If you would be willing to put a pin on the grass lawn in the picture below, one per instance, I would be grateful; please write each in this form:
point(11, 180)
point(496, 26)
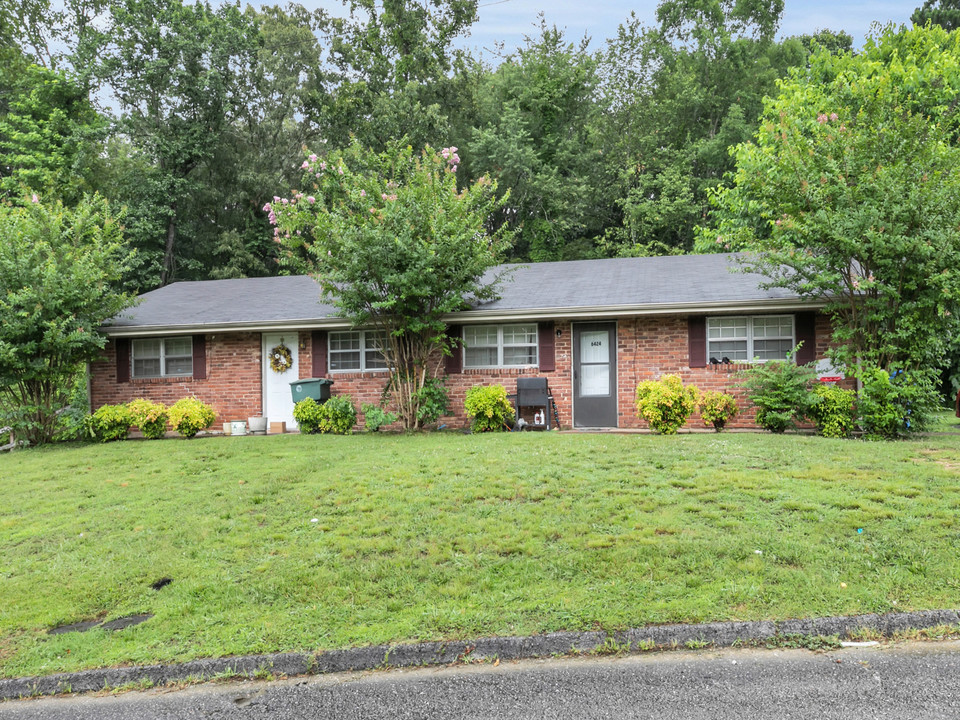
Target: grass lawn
point(453, 536)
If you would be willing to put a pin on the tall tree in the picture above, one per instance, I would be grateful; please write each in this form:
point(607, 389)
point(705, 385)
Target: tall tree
point(676, 97)
point(50, 135)
point(178, 72)
point(59, 270)
point(535, 133)
point(945, 13)
point(396, 245)
point(394, 60)
point(851, 192)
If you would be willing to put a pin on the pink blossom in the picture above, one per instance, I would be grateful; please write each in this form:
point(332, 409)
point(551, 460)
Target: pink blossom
point(276, 198)
point(870, 277)
point(34, 199)
point(313, 158)
point(821, 118)
point(318, 174)
point(373, 211)
point(856, 284)
point(363, 193)
point(285, 201)
point(323, 166)
point(340, 170)
point(266, 208)
point(305, 165)
point(311, 199)
point(383, 196)
point(454, 168)
point(834, 116)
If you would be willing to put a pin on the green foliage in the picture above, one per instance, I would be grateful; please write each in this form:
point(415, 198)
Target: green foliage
point(308, 416)
point(433, 400)
point(716, 408)
point(188, 416)
point(852, 195)
point(832, 410)
point(489, 407)
point(109, 422)
point(58, 272)
point(336, 416)
point(535, 128)
point(150, 417)
point(895, 407)
point(666, 403)
point(180, 73)
point(375, 417)
point(49, 138)
point(396, 246)
point(780, 390)
point(945, 13)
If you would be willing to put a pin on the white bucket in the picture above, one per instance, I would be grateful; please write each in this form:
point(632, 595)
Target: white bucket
point(238, 427)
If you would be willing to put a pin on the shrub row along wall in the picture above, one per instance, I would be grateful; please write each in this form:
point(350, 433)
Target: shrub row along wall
point(647, 348)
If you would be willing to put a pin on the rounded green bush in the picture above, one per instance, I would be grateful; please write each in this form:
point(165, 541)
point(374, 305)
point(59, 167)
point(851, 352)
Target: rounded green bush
point(832, 410)
point(666, 403)
point(109, 422)
point(716, 408)
point(191, 415)
point(150, 417)
point(336, 416)
point(489, 407)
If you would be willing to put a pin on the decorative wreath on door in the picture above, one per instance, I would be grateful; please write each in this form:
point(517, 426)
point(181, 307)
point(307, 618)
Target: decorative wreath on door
point(281, 359)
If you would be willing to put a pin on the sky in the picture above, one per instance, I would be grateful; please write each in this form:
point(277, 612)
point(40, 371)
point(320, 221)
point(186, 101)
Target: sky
point(508, 21)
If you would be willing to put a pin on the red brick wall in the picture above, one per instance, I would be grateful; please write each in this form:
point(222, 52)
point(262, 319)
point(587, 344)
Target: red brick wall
point(647, 347)
point(232, 386)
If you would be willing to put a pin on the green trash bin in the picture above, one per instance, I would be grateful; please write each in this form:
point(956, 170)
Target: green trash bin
point(316, 388)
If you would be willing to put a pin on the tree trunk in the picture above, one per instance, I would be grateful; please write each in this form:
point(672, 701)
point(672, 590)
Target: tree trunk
point(166, 274)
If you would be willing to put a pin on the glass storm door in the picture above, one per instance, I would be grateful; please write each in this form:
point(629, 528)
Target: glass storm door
point(595, 375)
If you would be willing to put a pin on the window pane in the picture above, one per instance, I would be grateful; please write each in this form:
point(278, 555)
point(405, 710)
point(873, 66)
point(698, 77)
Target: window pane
point(146, 349)
point(777, 326)
point(178, 347)
point(519, 334)
point(146, 368)
point(772, 349)
point(519, 356)
point(732, 350)
point(345, 341)
point(594, 379)
point(595, 346)
point(179, 365)
point(480, 335)
point(735, 327)
point(479, 357)
point(349, 360)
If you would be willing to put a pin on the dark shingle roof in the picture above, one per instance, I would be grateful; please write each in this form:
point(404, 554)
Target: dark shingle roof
point(618, 286)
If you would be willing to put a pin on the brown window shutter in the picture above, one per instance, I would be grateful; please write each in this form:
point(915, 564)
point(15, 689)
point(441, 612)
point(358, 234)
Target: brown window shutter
point(547, 350)
point(453, 363)
point(318, 352)
point(697, 340)
point(199, 357)
point(805, 325)
point(123, 360)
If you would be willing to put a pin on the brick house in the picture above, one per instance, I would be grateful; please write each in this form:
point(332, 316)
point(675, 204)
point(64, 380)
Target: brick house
point(593, 328)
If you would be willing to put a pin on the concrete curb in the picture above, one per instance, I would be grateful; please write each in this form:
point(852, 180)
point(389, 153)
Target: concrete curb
point(719, 634)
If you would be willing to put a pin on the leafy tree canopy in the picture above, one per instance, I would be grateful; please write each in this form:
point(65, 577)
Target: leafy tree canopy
point(945, 13)
point(59, 269)
point(851, 193)
point(396, 246)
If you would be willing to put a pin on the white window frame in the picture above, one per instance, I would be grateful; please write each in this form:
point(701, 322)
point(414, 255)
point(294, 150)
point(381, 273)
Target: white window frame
point(500, 346)
point(751, 355)
point(365, 335)
point(163, 357)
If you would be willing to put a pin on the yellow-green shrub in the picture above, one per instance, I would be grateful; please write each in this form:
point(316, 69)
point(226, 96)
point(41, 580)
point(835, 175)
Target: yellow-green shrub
point(489, 408)
point(666, 403)
point(190, 415)
point(716, 408)
point(150, 417)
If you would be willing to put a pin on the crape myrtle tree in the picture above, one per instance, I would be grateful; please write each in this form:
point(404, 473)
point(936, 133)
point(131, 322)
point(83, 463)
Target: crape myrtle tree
point(59, 270)
point(851, 193)
point(395, 246)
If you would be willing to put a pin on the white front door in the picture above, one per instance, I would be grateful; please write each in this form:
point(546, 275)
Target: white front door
point(277, 399)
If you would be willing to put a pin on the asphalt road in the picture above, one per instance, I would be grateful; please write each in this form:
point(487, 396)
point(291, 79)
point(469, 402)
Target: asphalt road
point(911, 681)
